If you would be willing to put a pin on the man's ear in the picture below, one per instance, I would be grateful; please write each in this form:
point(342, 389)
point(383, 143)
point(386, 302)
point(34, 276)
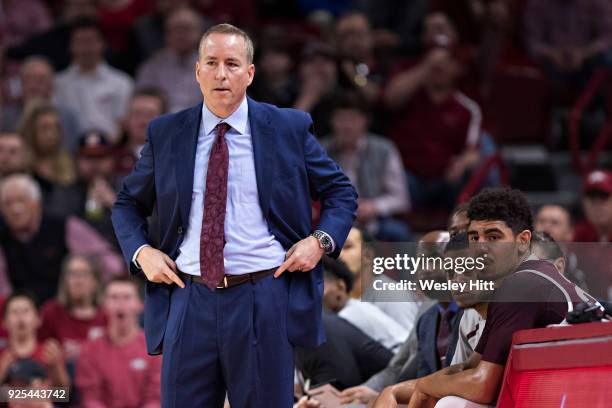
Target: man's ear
point(341, 285)
point(560, 265)
point(523, 240)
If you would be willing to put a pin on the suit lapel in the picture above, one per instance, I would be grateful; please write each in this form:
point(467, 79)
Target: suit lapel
point(184, 144)
point(264, 148)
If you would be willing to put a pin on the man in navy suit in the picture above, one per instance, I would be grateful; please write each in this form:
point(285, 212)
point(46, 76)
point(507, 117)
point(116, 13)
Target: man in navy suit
point(231, 182)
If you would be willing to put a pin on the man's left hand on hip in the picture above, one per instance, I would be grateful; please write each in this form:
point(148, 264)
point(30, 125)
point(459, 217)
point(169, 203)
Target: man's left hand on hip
point(301, 257)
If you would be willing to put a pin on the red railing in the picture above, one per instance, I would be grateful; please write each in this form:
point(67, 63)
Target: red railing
point(478, 178)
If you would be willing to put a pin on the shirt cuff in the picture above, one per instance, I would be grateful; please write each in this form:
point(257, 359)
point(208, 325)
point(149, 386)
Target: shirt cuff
point(333, 243)
point(136, 255)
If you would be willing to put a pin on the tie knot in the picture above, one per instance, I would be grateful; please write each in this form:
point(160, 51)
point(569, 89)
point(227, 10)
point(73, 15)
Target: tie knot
point(222, 128)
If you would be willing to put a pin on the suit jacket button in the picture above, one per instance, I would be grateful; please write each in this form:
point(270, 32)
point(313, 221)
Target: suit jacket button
point(180, 230)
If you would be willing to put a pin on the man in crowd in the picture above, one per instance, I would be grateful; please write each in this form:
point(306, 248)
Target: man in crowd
point(501, 225)
point(94, 90)
point(33, 244)
point(114, 370)
point(597, 205)
point(171, 69)
point(373, 164)
point(436, 127)
point(21, 321)
point(556, 221)
point(36, 76)
point(14, 155)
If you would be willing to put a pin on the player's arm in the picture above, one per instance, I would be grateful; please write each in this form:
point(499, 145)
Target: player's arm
point(479, 384)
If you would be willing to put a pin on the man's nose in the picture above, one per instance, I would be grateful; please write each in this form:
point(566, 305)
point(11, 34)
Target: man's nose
point(220, 74)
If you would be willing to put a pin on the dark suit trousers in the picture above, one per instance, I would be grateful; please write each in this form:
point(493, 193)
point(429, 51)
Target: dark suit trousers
point(232, 340)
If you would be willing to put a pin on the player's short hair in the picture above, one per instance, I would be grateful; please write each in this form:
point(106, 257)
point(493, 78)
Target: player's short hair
point(502, 204)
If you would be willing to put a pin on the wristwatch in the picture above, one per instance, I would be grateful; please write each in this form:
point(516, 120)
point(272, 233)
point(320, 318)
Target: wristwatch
point(325, 241)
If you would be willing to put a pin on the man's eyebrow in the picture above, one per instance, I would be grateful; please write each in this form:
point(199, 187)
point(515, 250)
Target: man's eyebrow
point(491, 230)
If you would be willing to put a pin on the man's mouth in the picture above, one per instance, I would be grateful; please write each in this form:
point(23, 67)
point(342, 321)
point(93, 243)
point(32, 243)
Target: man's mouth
point(220, 89)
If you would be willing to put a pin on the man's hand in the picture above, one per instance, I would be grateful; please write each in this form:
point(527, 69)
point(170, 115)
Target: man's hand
point(52, 352)
point(421, 400)
point(304, 402)
point(158, 267)
point(359, 394)
point(302, 257)
point(386, 399)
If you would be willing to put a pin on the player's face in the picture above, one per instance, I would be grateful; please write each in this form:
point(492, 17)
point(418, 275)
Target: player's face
point(351, 252)
point(501, 248)
point(224, 72)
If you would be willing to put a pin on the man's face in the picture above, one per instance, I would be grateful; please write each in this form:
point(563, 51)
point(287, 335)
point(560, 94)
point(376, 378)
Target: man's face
point(87, 47)
point(37, 81)
point(122, 303)
point(334, 294)
point(349, 127)
point(598, 209)
point(501, 248)
point(432, 271)
point(224, 73)
point(13, 155)
point(183, 32)
point(458, 223)
point(91, 168)
point(142, 110)
point(468, 297)
point(438, 31)
point(80, 281)
point(19, 208)
point(351, 252)
point(354, 36)
point(555, 221)
point(21, 318)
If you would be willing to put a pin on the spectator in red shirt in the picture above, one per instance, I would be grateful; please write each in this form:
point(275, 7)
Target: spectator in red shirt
point(21, 321)
point(74, 316)
point(597, 204)
point(436, 127)
point(114, 370)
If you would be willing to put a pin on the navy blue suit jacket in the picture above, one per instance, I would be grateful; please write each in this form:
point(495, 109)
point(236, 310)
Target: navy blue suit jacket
point(291, 170)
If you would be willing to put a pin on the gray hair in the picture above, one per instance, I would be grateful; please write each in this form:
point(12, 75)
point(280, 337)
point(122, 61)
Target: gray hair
point(229, 29)
point(21, 180)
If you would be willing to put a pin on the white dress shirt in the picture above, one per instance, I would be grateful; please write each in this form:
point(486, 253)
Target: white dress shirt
point(250, 247)
point(99, 99)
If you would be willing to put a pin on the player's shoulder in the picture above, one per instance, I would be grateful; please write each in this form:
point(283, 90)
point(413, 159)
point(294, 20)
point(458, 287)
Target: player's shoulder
point(286, 115)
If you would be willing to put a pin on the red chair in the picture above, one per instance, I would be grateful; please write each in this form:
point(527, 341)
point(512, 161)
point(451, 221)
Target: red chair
point(560, 367)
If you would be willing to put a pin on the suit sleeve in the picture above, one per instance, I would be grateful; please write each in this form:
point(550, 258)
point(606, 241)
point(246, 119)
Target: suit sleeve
point(135, 203)
point(329, 185)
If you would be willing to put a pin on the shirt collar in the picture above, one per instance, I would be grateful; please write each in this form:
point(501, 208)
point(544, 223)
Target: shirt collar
point(237, 120)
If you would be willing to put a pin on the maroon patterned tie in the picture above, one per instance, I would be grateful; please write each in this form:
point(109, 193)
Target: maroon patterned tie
point(212, 237)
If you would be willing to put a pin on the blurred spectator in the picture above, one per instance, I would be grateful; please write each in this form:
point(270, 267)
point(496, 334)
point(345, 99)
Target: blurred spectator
point(318, 77)
point(556, 221)
point(36, 76)
point(346, 359)
point(116, 20)
point(338, 281)
point(145, 105)
point(359, 68)
point(96, 92)
point(40, 126)
point(274, 82)
point(21, 19)
point(241, 13)
point(33, 244)
point(597, 205)
point(458, 220)
point(22, 320)
point(93, 194)
point(14, 155)
point(396, 24)
point(569, 36)
point(54, 44)
point(74, 315)
point(172, 69)
point(358, 254)
point(114, 370)
point(148, 31)
point(436, 127)
point(3, 333)
point(374, 166)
